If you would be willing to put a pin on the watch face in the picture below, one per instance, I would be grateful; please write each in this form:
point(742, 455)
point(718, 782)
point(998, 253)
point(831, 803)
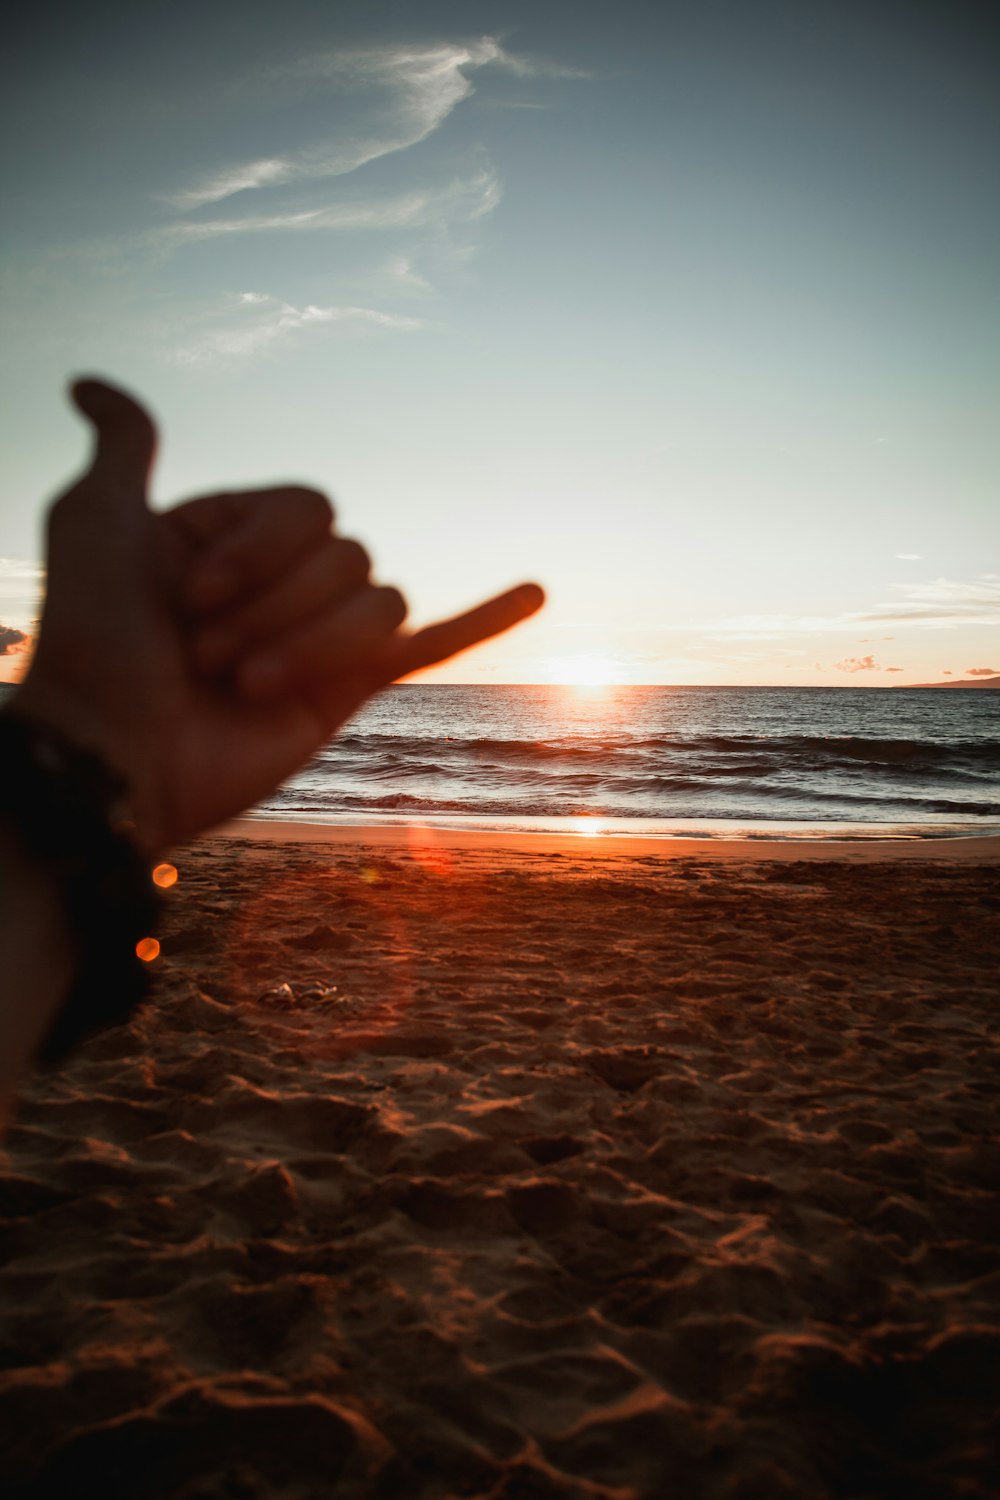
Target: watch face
point(80, 769)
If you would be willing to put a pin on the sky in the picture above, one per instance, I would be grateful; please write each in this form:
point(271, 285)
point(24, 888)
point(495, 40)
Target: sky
point(689, 312)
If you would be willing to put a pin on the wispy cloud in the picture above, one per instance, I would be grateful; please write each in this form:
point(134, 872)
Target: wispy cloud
point(238, 179)
point(20, 569)
point(402, 272)
point(21, 583)
point(770, 627)
point(257, 322)
point(982, 671)
point(399, 95)
point(940, 603)
point(381, 100)
point(908, 556)
point(611, 627)
point(464, 199)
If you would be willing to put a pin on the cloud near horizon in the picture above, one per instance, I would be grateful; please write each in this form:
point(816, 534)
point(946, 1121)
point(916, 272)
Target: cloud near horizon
point(858, 664)
point(982, 671)
point(19, 571)
point(13, 642)
point(941, 602)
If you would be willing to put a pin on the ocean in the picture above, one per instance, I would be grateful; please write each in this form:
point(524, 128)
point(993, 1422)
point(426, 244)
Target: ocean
point(764, 762)
point(761, 762)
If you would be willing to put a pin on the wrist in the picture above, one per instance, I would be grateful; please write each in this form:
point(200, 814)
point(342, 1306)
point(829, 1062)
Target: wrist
point(65, 807)
point(78, 725)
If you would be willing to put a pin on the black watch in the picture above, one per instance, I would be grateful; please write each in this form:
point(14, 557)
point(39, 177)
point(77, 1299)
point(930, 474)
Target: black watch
point(69, 811)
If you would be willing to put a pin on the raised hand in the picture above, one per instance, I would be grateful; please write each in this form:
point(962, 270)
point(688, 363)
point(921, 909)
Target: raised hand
point(209, 651)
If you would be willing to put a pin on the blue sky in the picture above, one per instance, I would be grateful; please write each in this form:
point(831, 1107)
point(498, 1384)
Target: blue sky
point(688, 311)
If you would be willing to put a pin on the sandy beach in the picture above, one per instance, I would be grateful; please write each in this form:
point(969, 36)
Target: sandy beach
point(459, 1167)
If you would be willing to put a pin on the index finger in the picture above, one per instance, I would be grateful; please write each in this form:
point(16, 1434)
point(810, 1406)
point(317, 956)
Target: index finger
point(447, 638)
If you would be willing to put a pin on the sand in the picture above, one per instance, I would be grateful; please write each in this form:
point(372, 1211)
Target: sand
point(441, 1169)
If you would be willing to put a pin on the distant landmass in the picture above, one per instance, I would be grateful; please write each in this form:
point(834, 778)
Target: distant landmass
point(961, 682)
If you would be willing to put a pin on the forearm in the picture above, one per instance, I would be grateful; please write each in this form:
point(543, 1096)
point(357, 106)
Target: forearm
point(37, 959)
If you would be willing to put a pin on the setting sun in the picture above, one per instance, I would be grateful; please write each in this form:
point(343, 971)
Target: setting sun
point(584, 671)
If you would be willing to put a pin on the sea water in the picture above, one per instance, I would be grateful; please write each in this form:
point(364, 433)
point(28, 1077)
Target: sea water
point(768, 762)
point(763, 762)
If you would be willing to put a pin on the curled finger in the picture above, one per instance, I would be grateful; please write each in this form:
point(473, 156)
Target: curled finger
point(309, 588)
point(326, 650)
point(247, 540)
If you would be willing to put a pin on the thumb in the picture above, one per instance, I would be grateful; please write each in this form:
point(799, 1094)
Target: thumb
point(126, 439)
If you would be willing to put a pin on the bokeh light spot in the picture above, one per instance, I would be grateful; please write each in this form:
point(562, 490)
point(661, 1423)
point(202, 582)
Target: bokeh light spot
point(147, 949)
point(165, 875)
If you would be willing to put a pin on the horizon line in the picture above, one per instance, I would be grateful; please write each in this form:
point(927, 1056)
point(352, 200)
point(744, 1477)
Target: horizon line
point(889, 687)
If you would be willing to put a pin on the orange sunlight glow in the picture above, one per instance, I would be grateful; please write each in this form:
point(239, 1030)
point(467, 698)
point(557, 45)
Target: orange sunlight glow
point(588, 826)
point(584, 671)
point(434, 861)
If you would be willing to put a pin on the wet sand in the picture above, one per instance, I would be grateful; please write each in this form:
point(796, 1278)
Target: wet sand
point(443, 1169)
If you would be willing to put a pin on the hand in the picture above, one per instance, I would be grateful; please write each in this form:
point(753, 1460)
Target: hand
point(208, 652)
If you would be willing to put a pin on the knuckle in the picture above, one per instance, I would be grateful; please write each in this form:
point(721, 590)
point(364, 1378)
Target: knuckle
point(351, 559)
point(251, 550)
point(227, 507)
point(239, 568)
point(393, 605)
point(315, 507)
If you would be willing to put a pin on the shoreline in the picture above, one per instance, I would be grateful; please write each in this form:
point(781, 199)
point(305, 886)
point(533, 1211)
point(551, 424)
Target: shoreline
point(971, 849)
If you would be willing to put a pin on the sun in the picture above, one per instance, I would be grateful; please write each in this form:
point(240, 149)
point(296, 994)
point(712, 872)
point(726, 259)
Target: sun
point(584, 671)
